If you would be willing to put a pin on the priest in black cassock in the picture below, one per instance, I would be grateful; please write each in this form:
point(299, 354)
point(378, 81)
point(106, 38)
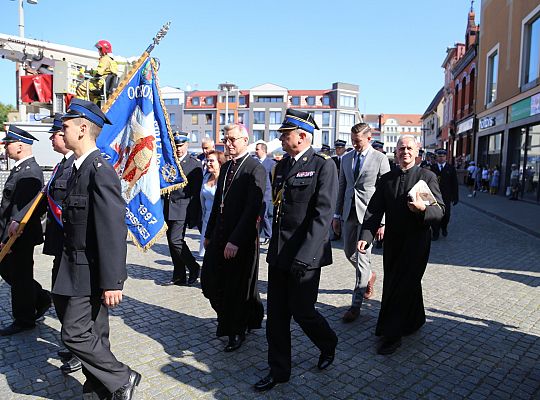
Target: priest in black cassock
point(407, 242)
point(231, 262)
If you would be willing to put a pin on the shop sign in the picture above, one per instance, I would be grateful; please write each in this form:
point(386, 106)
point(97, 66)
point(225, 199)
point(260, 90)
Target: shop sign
point(491, 120)
point(465, 125)
point(525, 108)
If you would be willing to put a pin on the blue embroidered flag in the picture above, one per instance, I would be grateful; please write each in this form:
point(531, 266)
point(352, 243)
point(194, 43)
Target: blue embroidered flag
point(140, 146)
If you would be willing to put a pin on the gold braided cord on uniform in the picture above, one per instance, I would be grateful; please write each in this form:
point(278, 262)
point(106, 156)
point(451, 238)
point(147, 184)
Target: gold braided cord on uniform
point(169, 189)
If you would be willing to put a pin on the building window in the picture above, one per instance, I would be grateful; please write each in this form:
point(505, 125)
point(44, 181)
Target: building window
point(258, 117)
point(275, 117)
point(171, 102)
point(295, 100)
point(208, 118)
point(347, 101)
point(531, 50)
point(209, 101)
point(310, 100)
point(242, 100)
point(492, 72)
point(195, 136)
point(240, 118)
point(269, 99)
point(222, 119)
point(326, 118)
point(325, 139)
point(326, 100)
point(346, 119)
point(195, 101)
point(194, 119)
point(274, 135)
point(258, 135)
point(208, 134)
point(172, 118)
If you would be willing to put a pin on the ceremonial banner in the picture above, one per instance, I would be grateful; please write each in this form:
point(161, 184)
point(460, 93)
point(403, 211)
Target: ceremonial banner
point(140, 146)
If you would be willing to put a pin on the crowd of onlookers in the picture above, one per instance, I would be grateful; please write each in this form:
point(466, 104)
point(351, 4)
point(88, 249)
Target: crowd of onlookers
point(482, 178)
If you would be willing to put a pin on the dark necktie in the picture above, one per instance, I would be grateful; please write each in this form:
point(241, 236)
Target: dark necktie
point(72, 176)
point(357, 165)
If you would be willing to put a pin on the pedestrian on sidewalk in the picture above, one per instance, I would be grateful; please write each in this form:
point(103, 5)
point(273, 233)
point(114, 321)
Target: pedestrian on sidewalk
point(407, 244)
point(485, 179)
point(514, 182)
point(471, 173)
point(494, 182)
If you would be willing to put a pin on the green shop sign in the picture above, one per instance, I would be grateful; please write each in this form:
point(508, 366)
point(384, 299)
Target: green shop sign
point(525, 108)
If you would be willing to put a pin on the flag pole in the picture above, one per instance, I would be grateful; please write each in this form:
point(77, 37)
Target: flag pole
point(127, 77)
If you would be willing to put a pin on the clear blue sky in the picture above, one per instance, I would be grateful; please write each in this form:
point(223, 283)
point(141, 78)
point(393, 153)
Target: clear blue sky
point(392, 49)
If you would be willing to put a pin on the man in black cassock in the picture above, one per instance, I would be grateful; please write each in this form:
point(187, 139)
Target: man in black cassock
point(231, 262)
point(407, 241)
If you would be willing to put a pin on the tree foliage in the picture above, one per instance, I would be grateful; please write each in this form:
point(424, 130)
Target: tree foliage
point(4, 110)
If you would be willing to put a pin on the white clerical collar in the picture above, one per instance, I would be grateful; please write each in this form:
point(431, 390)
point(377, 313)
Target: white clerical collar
point(299, 155)
point(78, 162)
point(22, 160)
point(240, 156)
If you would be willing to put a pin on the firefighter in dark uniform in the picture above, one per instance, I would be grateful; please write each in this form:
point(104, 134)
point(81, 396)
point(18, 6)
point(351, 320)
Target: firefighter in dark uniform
point(29, 301)
point(304, 191)
point(54, 234)
point(182, 210)
point(92, 268)
point(448, 182)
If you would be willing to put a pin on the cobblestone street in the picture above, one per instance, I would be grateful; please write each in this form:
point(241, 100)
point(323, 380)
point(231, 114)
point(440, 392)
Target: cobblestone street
point(481, 341)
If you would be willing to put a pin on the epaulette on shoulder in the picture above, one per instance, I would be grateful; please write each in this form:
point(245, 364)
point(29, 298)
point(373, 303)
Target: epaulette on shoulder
point(322, 155)
point(97, 163)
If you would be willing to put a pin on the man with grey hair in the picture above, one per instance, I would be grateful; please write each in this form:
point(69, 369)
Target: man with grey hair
point(265, 227)
point(207, 145)
point(231, 262)
point(407, 241)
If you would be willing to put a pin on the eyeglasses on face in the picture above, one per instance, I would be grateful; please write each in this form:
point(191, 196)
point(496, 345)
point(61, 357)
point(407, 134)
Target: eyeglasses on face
point(231, 139)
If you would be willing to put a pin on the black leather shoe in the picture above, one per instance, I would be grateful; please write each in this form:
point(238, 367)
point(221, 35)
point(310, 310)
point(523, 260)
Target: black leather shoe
point(42, 309)
point(266, 383)
point(64, 354)
point(389, 345)
point(15, 328)
point(71, 365)
point(126, 392)
point(325, 360)
point(235, 342)
point(444, 232)
point(194, 275)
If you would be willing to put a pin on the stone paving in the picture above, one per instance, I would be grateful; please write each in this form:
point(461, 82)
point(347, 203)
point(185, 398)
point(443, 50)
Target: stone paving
point(481, 341)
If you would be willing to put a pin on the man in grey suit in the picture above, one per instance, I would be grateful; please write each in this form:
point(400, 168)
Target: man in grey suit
point(360, 170)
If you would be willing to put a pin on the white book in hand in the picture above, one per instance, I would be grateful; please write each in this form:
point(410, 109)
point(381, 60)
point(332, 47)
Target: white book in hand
point(425, 192)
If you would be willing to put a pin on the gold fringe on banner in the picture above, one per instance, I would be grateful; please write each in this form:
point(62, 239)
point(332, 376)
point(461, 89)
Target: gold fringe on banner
point(145, 248)
point(169, 189)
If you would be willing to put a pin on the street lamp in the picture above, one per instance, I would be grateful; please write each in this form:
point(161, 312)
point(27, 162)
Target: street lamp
point(20, 69)
point(227, 87)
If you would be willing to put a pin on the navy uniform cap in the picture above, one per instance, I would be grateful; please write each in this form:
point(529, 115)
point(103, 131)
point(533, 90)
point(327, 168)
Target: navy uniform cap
point(15, 134)
point(325, 147)
point(441, 152)
point(57, 123)
point(340, 143)
point(295, 119)
point(377, 144)
point(421, 151)
point(79, 108)
point(181, 137)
